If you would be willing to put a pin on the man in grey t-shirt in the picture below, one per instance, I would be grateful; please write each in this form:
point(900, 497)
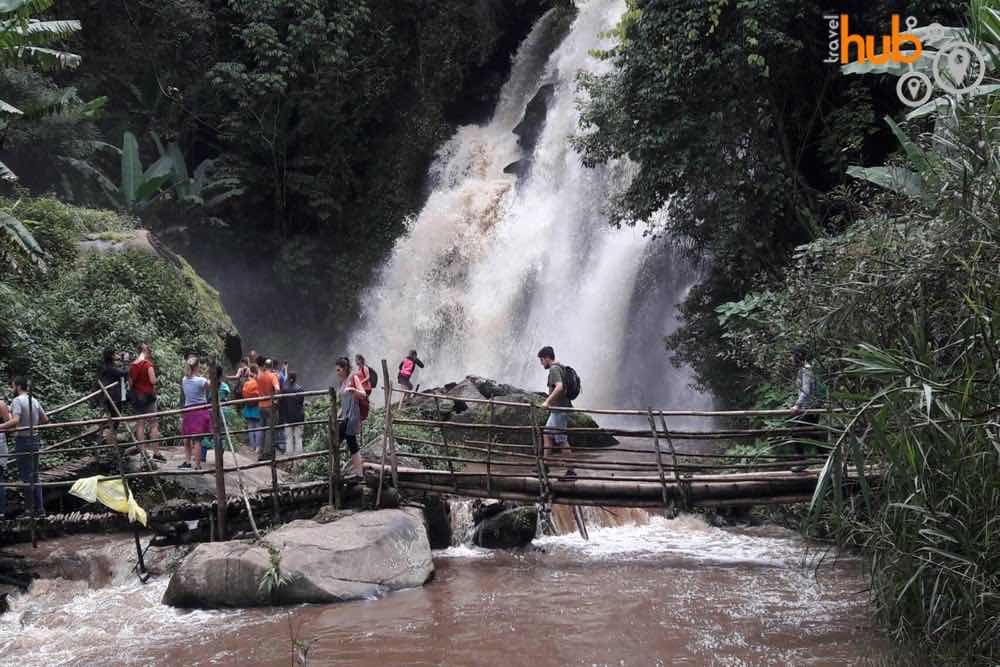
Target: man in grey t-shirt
point(554, 433)
point(26, 412)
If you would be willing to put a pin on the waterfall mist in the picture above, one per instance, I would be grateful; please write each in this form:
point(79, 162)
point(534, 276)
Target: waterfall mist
point(497, 265)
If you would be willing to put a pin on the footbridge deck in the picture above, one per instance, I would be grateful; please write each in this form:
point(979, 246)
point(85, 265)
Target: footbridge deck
point(428, 445)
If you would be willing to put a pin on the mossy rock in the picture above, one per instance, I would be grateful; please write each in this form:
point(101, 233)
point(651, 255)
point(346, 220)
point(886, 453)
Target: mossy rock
point(459, 411)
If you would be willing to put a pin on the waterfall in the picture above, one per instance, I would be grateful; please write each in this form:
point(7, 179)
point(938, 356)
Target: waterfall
point(496, 265)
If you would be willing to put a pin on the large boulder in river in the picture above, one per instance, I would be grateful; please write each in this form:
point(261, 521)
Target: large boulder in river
point(359, 556)
point(459, 410)
point(509, 529)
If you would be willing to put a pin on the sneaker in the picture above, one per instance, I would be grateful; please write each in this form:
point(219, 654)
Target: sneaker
point(184, 465)
point(159, 457)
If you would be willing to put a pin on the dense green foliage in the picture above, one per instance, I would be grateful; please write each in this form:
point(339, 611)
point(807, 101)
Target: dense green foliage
point(742, 133)
point(56, 320)
point(326, 112)
point(893, 289)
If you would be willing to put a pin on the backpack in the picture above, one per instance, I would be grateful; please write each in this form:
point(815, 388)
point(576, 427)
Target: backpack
point(571, 382)
point(372, 377)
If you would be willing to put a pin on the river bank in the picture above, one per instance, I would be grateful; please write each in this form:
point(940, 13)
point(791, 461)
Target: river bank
point(651, 591)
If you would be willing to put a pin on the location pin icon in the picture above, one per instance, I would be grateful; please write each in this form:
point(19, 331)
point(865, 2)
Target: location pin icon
point(958, 65)
point(913, 84)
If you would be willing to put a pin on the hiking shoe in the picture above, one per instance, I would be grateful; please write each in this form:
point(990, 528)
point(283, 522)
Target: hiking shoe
point(184, 465)
point(159, 457)
point(569, 474)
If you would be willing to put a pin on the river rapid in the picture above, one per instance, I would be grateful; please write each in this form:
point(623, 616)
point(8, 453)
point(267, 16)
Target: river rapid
point(647, 592)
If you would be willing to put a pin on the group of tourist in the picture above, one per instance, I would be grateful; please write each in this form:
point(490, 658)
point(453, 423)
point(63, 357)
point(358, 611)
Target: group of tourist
point(274, 422)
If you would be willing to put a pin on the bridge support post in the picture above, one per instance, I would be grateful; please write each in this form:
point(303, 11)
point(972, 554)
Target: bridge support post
point(220, 474)
point(489, 450)
point(444, 441)
point(388, 423)
point(659, 460)
point(544, 490)
point(272, 433)
point(333, 433)
point(682, 490)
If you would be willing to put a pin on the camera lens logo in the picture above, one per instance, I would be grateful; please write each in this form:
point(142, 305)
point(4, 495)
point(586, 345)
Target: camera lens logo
point(959, 68)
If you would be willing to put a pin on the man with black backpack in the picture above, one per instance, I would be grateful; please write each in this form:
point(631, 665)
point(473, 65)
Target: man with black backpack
point(564, 385)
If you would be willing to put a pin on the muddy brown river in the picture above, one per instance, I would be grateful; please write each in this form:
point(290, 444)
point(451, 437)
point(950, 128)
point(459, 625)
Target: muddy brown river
point(650, 592)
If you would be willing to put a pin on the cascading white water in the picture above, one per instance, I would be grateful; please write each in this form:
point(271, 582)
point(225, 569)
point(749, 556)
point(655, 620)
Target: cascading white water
point(496, 266)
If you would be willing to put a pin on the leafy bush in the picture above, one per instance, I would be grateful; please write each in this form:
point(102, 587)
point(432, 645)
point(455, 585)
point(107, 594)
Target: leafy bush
point(55, 323)
point(902, 309)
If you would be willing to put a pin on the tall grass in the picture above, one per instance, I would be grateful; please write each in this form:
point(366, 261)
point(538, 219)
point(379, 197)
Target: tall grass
point(929, 517)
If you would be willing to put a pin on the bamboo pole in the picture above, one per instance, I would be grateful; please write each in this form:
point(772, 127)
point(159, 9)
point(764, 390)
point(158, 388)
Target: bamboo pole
point(239, 476)
point(385, 431)
point(673, 457)
point(544, 491)
point(659, 458)
point(142, 452)
point(112, 438)
point(82, 399)
point(444, 440)
point(389, 421)
point(334, 443)
point(275, 500)
point(220, 475)
point(34, 467)
point(489, 450)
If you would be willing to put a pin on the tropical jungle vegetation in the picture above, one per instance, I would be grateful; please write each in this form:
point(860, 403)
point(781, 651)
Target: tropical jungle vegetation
point(823, 215)
point(828, 217)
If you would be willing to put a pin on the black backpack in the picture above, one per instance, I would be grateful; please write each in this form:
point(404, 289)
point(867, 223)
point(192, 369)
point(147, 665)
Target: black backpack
point(372, 377)
point(571, 382)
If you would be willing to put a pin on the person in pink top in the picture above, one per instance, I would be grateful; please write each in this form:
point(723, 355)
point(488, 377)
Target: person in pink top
point(407, 367)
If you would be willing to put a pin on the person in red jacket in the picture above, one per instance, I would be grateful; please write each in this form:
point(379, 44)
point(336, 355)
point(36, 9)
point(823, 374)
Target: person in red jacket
point(142, 382)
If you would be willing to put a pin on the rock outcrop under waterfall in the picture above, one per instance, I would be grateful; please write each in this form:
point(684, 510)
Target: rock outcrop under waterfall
point(458, 409)
point(359, 556)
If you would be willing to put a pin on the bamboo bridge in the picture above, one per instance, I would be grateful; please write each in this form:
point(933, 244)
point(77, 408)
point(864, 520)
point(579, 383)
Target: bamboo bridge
point(650, 465)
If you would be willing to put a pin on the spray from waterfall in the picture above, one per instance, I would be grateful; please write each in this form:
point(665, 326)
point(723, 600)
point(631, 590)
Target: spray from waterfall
point(499, 263)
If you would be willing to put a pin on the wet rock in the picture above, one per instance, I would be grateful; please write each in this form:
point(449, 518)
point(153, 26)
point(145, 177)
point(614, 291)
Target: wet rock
point(359, 556)
point(329, 514)
point(165, 560)
point(533, 121)
point(437, 515)
point(510, 529)
point(474, 387)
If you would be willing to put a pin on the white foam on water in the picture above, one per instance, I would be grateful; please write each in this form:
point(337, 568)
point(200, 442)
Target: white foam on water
point(59, 622)
point(466, 551)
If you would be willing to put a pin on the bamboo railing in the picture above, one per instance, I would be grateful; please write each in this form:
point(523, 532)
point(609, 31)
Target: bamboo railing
point(514, 461)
